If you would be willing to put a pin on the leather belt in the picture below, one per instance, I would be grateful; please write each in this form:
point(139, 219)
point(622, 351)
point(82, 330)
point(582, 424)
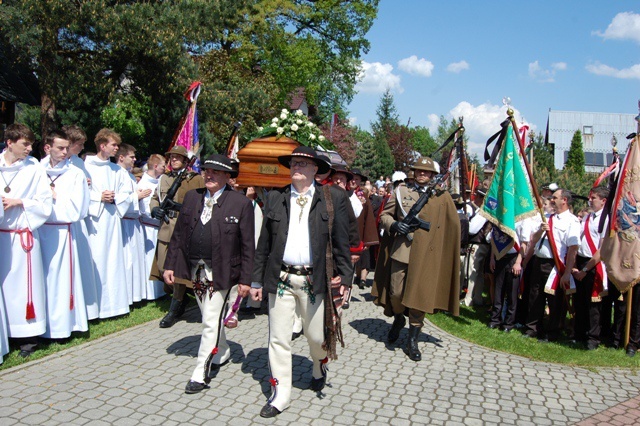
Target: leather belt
point(172, 214)
point(297, 270)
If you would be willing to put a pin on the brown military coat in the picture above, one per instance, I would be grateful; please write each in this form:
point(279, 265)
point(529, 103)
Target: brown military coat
point(433, 257)
point(192, 181)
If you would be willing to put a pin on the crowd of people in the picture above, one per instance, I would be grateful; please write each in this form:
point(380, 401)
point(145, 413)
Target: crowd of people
point(86, 238)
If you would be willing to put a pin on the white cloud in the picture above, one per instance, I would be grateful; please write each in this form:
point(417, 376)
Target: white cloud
point(377, 78)
point(434, 122)
point(482, 121)
point(624, 26)
point(536, 72)
point(415, 66)
point(353, 121)
point(456, 67)
point(606, 70)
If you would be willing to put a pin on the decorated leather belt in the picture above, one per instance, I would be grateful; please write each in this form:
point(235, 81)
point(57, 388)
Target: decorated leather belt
point(297, 270)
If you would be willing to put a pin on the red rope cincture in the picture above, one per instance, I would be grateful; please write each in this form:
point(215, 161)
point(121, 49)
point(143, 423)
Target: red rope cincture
point(26, 241)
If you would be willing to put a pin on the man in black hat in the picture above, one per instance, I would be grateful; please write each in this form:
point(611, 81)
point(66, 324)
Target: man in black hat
point(212, 247)
point(178, 159)
point(300, 222)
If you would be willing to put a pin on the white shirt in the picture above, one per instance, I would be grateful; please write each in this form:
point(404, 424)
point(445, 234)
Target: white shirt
point(297, 250)
point(594, 221)
point(566, 233)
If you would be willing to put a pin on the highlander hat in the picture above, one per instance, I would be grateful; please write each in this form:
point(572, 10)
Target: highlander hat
point(178, 149)
point(358, 172)
point(307, 153)
point(426, 163)
point(340, 168)
point(220, 163)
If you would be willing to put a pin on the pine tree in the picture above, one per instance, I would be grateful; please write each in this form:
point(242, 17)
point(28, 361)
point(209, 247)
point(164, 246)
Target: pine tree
point(366, 155)
point(387, 121)
point(575, 157)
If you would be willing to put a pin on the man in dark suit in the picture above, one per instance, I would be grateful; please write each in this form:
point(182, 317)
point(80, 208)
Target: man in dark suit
point(291, 265)
point(212, 246)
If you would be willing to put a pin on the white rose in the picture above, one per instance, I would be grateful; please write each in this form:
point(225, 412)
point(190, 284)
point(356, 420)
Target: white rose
point(298, 121)
point(310, 124)
point(274, 119)
point(312, 136)
point(274, 125)
point(284, 111)
point(294, 127)
point(299, 113)
point(283, 116)
point(320, 138)
point(260, 129)
point(279, 130)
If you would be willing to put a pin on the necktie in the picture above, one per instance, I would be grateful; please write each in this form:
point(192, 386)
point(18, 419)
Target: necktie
point(206, 212)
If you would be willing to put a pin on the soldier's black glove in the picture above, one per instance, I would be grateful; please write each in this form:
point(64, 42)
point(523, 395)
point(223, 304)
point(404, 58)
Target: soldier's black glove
point(400, 228)
point(158, 213)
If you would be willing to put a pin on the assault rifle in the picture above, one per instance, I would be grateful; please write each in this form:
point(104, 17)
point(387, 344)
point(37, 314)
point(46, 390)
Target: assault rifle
point(412, 219)
point(168, 203)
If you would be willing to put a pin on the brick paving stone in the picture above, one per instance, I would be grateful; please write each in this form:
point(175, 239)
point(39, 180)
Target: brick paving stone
point(139, 375)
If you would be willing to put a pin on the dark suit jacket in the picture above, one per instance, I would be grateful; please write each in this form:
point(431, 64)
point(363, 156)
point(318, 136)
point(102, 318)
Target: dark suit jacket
point(233, 242)
point(275, 229)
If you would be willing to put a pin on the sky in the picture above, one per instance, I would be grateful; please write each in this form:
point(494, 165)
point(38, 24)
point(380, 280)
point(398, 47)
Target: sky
point(461, 58)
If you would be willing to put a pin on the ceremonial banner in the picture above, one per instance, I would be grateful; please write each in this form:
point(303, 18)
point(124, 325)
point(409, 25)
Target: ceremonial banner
point(510, 196)
point(187, 133)
point(621, 246)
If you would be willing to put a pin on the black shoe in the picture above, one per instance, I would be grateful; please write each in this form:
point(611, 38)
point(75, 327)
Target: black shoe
point(269, 411)
point(182, 307)
point(194, 387)
point(507, 329)
point(413, 351)
point(318, 384)
point(172, 316)
point(295, 335)
point(24, 354)
point(345, 305)
point(493, 325)
point(592, 346)
point(631, 352)
point(398, 324)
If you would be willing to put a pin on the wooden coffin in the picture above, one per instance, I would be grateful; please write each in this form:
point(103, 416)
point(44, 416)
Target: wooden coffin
point(259, 164)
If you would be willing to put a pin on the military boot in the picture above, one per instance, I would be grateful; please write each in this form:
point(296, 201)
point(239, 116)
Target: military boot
point(412, 343)
point(172, 315)
point(396, 327)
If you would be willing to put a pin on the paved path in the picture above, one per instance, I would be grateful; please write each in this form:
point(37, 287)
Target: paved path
point(138, 377)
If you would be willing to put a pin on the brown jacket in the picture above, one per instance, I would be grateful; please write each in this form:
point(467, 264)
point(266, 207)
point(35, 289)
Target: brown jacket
point(433, 257)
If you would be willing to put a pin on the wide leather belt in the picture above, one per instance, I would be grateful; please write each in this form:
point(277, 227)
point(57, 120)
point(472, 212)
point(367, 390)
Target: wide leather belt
point(297, 270)
point(172, 214)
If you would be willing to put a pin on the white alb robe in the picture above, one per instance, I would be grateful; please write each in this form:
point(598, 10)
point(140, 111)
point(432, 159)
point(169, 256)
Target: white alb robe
point(155, 288)
point(133, 243)
point(105, 235)
point(20, 271)
point(66, 309)
point(4, 336)
point(87, 266)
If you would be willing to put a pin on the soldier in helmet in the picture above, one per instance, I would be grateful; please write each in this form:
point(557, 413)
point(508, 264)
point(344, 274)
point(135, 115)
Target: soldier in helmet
point(418, 271)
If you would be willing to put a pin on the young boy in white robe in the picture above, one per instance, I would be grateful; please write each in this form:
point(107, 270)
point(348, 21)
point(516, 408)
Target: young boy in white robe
point(110, 199)
point(66, 309)
point(4, 336)
point(26, 200)
point(132, 233)
point(156, 166)
point(77, 137)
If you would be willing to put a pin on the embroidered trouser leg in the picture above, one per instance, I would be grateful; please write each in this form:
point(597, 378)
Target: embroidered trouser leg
point(212, 308)
point(294, 292)
point(476, 274)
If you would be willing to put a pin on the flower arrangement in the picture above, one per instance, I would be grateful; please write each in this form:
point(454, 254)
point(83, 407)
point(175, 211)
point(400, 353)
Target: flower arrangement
point(295, 126)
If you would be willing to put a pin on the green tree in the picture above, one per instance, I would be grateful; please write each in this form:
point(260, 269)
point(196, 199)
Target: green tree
point(575, 157)
point(423, 142)
point(387, 121)
point(366, 155)
point(544, 170)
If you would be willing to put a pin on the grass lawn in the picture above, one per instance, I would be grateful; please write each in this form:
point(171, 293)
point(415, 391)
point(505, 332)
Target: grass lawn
point(141, 312)
point(471, 325)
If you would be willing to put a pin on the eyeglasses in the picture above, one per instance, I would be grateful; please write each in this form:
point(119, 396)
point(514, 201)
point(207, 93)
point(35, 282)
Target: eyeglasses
point(299, 163)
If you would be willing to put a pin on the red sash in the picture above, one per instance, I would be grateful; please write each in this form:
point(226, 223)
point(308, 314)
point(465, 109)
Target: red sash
point(598, 281)
point(26, 241)
point(560, 268)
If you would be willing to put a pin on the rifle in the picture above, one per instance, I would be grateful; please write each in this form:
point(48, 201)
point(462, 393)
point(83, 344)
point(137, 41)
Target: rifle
point(168, 203)
point(412, 218)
